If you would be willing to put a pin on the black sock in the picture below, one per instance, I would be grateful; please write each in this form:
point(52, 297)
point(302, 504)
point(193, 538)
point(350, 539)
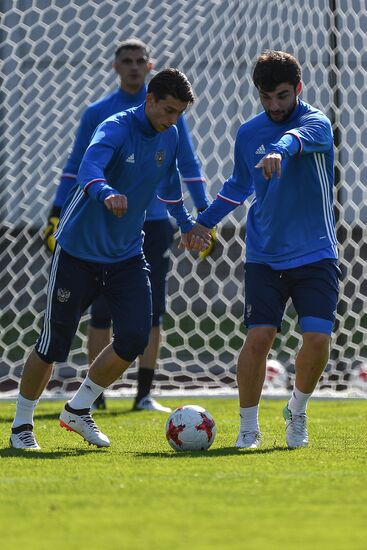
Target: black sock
point(145, 380)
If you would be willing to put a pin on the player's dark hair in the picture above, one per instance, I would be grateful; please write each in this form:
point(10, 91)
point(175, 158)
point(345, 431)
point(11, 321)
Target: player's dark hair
point(133, 44)
point(274, 67)
point(171, 82)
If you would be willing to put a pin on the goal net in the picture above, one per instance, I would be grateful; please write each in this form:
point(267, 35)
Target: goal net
point(57, 57)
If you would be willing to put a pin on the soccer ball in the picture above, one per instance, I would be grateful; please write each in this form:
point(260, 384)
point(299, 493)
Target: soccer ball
point(190, 428)
point(276, 375)
point(358, 377)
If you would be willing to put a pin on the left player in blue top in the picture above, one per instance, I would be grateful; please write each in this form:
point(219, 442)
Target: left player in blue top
point(132, 63)
point(284, 156)
point(99, 251)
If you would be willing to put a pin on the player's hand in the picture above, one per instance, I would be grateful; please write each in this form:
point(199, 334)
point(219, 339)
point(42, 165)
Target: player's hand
point(50, 229)
point(270, 164)
point(199, 238)
point(117, 204)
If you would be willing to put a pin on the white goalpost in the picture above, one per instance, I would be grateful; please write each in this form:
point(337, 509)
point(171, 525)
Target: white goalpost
point(57, 57)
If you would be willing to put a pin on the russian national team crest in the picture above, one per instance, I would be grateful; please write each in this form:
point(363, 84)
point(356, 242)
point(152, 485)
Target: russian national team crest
point(159, 157)
point(63, 294)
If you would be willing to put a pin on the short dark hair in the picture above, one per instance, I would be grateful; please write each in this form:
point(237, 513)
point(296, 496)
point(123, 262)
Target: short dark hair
point(274, 67)
point(133, 44)
point(171, 82)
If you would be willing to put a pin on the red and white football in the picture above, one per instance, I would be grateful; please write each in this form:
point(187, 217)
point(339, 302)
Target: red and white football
point(190, 428)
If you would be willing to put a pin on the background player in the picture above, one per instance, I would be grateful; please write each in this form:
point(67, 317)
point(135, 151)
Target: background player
point(284, 155)
point(132, 64)
point(99, 251)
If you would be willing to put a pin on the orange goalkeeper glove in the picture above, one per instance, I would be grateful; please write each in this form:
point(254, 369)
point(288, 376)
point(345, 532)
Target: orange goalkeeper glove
point(213, 232)
point(50, 229)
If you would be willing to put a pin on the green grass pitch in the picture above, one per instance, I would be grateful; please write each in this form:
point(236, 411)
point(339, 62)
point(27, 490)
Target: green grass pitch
point(140, 494)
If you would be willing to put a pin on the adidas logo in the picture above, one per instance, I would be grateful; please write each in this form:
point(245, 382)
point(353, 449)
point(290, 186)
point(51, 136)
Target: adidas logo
point(130, 159)
point(260, 150)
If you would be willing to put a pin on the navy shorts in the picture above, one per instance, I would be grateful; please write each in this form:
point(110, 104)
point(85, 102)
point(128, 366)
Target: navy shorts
point(157, 243)
point(313, 289)
point(74, 284)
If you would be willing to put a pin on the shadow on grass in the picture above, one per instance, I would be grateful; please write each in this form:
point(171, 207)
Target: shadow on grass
point(42, 455)
point(108, 412)
point(96, 413)
point(223, 451)
point(46, 416)
point(55, 415)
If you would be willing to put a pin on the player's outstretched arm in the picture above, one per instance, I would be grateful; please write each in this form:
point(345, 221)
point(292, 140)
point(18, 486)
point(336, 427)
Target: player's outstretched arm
point(68, 177)
point(198, 238)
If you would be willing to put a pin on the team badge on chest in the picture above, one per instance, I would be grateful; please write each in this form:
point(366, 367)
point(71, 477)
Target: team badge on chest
point(159, 157)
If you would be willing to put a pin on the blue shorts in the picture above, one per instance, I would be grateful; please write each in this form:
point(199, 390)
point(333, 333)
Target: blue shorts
point(74, 284)
point(313, 289)
point(157, 243)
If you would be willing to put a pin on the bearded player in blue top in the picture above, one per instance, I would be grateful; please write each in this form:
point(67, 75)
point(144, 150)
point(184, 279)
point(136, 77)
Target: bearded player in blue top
point(132, 63)
point(99, 251)
point(285, 156)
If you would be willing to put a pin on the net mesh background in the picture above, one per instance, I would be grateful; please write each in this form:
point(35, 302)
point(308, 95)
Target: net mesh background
point(57, 58)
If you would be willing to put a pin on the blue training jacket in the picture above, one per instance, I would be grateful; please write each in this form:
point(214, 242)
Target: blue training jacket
point(126, 156)
point(291, 219)
point(96, 113)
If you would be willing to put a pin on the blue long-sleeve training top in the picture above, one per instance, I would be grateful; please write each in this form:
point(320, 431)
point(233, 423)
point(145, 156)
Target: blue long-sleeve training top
point(99, 111)
point(126, 156)
point(291, 219)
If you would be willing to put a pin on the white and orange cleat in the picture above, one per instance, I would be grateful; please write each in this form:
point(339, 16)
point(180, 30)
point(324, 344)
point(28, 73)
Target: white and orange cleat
point(82, 423)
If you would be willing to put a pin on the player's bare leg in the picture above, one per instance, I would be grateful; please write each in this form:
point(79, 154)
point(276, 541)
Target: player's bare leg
point(147, 365)
point(107, 367)
point(36, 374)
point(149, 358)
point(35, 377)
point(98, 339)
point(251, 365)
point(310, 364)
point(311, 360)
point(251, 369)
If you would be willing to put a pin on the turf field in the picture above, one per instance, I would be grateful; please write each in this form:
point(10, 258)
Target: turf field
point(139, 494)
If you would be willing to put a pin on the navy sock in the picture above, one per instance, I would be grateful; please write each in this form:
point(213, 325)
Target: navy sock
point(145, 380)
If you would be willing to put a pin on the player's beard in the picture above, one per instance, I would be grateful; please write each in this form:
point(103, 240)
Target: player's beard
point(283, 115)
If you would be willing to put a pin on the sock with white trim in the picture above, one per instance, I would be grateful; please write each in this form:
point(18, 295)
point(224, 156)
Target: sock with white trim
point(249, 419)
point(298, 401)
point(86, 395)
point(24, 411)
